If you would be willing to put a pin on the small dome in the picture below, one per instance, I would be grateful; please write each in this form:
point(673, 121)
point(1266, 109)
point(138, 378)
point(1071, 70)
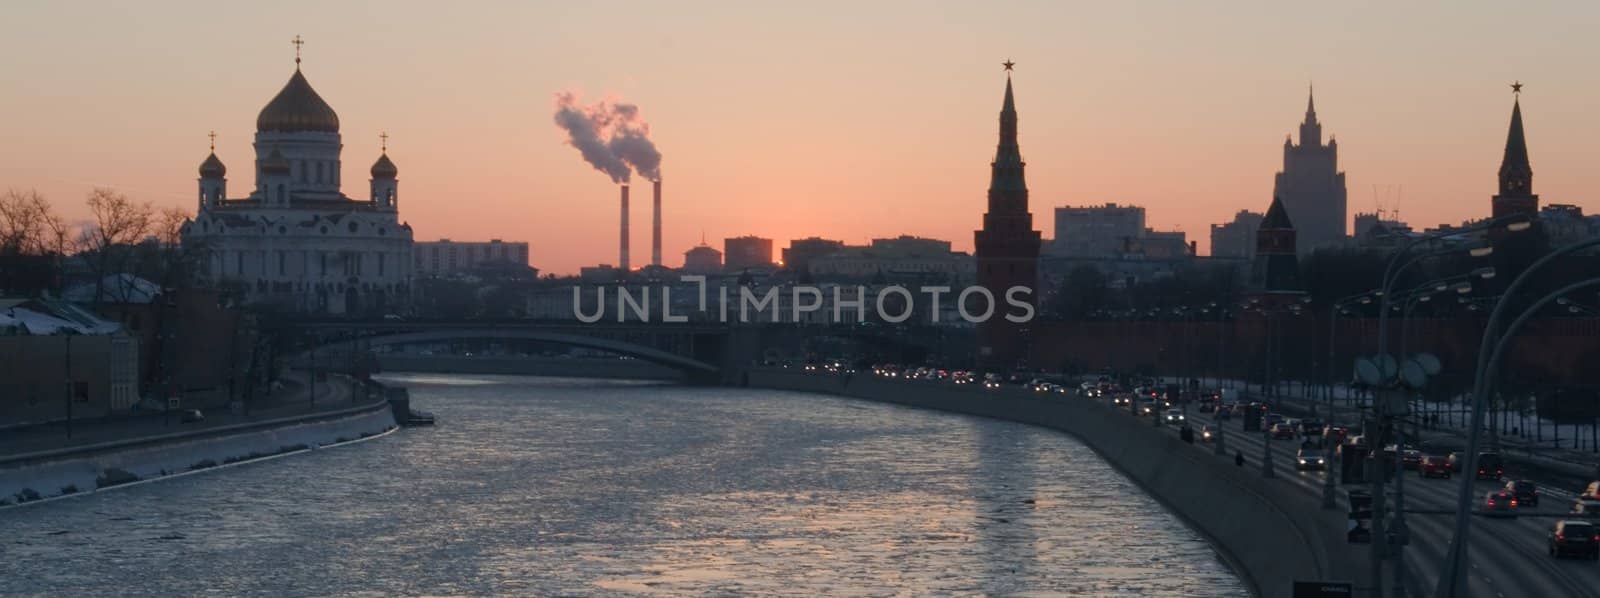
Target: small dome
point(212, 168)
point(275, 163)
point(297, 108)
point(383, 168)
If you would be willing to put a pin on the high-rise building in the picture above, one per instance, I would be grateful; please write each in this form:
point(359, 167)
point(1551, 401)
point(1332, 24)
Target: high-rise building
point(1007, 246)
point(1096, 231)
point(1311, 186)
point(443, 257)
point(743, 253)
point(1236, 239)
point(798, 255)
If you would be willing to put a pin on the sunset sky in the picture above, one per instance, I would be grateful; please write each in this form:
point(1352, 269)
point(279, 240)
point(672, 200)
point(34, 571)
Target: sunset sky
point(848, 120)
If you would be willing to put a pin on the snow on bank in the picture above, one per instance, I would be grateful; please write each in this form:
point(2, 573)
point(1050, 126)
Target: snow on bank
point(74, 474)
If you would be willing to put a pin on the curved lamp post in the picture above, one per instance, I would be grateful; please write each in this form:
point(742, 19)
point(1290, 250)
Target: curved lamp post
point(1453, 581)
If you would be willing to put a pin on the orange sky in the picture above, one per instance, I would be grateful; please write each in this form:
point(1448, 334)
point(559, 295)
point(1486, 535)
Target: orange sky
point(847, 120)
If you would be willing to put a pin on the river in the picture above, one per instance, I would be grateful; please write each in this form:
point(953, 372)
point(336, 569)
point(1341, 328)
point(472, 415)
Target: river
point(546, 486)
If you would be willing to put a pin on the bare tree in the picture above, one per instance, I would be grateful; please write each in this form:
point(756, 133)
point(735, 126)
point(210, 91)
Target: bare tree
point(168, 226)
point(28, 226)
point(118, 224)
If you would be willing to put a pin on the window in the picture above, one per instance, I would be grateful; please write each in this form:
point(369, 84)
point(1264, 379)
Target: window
point(322, 259)
point(240, 268)
point(320, 173)
point(380, 263)
point(283, 263)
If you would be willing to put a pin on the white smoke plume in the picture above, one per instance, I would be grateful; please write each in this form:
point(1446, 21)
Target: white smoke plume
point(612, 137)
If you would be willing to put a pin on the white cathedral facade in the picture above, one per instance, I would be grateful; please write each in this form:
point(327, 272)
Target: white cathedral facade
point(297, 242)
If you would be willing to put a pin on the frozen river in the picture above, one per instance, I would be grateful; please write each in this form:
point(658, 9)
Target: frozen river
point(535, 486)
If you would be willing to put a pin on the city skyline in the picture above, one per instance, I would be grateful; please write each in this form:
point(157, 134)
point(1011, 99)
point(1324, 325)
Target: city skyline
point(812, 144)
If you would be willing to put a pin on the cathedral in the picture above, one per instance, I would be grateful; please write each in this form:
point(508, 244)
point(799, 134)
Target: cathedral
point(296, 242)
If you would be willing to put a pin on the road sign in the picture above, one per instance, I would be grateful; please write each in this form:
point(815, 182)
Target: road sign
point(1323, 589)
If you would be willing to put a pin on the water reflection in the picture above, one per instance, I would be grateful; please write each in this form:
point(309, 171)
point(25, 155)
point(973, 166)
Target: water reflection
point(547, 487)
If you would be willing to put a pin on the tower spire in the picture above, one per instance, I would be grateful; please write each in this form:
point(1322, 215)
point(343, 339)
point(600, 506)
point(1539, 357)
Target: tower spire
point(213, 136)
point(1007, 167)
point(1311, 103)
point(297, 43)
point(1516, 174)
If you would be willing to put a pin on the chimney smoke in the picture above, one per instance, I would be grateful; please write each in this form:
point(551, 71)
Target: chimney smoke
point(655, 229)
point(623, 258)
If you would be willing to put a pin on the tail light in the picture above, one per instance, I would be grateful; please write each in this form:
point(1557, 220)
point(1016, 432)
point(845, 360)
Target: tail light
point(1513, 502)
point(1596, 538)
point(1560, 537)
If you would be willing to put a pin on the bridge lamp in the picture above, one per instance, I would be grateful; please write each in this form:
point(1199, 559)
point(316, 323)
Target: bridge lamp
point(1519, 226)
point(1463, 287)
point(1481, 251)
point(1485, 273)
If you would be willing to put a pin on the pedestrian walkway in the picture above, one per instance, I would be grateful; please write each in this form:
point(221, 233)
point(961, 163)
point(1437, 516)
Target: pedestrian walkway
point(293, 398)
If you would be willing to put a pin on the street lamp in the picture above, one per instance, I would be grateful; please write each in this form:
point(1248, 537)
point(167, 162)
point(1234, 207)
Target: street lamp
point(1453, 582)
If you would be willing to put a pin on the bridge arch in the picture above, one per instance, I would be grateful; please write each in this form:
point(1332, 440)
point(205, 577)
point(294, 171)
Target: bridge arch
point(694, 368)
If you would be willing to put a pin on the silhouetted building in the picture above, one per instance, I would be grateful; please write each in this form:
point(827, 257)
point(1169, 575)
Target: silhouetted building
point(741, 253)
point(1007, 246)
point(1311, 186)
point(1276, 268)
point(1516, 174)
point(1372, 231)
point(1096, 231)
point(443, 257)
point(1236, 239)
point(702, 259)
point(798, 255)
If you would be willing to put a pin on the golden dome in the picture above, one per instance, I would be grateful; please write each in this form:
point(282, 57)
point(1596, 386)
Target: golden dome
point(383, 168)
point(297, 108)
point(212, 167)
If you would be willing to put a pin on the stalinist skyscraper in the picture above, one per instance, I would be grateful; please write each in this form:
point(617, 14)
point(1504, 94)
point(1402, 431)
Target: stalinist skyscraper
point(1007, 246)
point(1311, 186)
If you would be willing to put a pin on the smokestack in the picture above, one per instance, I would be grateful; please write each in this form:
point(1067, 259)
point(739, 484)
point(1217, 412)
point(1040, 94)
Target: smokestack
point(624, 244)
point(655, 230)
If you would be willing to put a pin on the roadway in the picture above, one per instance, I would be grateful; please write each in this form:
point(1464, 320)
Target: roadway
point(1508, 556)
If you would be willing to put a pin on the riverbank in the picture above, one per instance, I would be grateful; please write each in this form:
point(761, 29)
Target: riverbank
point(1271, 535)
point(143, 451)
point(574, 367)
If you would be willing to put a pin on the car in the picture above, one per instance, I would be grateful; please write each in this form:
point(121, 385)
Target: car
point(1335, 435)
point(1499, 503)
point(1207, 407)
point(1526, 491)
point(1592, 491)
point(1225, 411)
point(1147, 408)
point(1208, 434)
point(1433, 466)
point(1310, 459)
point(1311, 427)
point(1586, 507)
point(1579, 538)
point(1489, 466)
point(1281, 431)
point(190, 416)
point(1174, 417)
point(1122, 401)
point(1410, 458)
point(1271, 418)
point(1455, 459)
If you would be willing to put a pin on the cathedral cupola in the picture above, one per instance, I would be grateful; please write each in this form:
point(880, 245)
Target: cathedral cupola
point(385, 188)
point(213, 185)
point(297, 107)
point(212, 168)
point(383, 168)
